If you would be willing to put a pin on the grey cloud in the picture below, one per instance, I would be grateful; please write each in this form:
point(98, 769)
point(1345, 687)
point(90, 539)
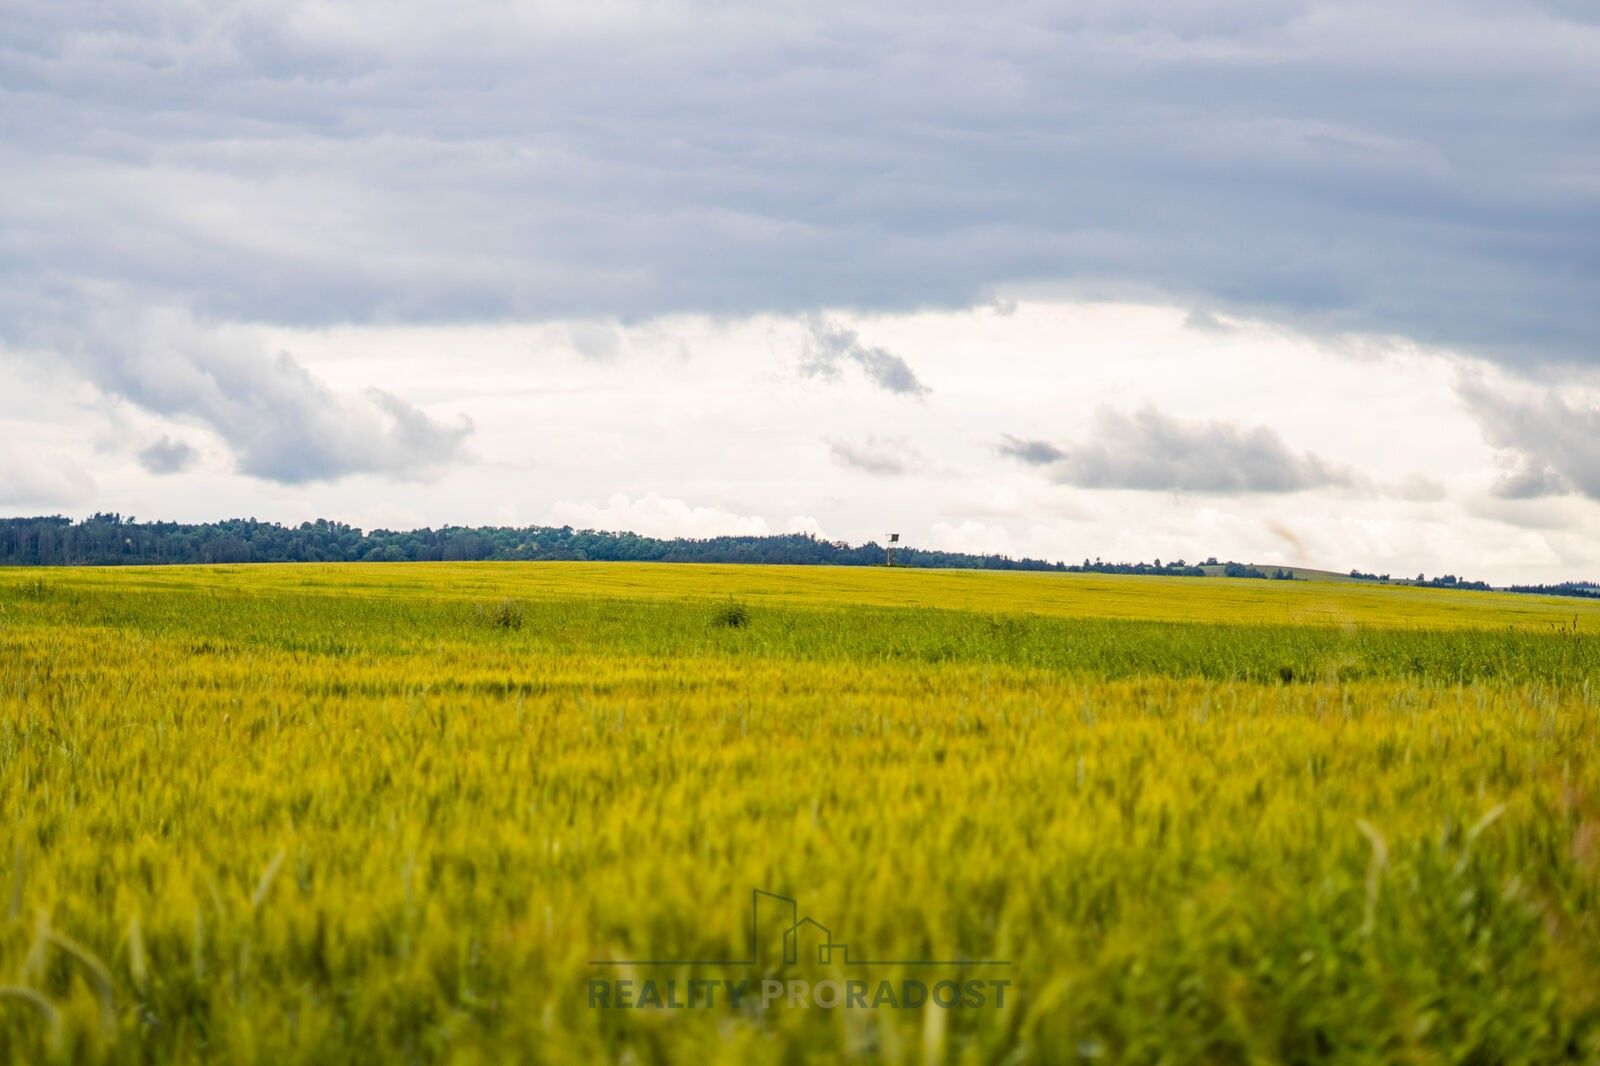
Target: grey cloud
point(1151, 450)
point(1032, 452)
point(1551, 446)
point(1529, 479)
point(168, 456)
point(282, 422)
point(884, 457)
point(1298, 159)
point(830, 345)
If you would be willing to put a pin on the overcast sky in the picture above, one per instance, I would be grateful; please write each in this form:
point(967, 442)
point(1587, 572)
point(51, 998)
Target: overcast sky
point(1291, 282)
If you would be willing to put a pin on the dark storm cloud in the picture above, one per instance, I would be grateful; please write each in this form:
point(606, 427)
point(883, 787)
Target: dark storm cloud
point(1153, 451)
point(1424, 169)
point(1551, 445)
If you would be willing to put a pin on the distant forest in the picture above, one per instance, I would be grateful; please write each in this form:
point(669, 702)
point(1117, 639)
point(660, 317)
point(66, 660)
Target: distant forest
point(1586, 590)
point(112, 540)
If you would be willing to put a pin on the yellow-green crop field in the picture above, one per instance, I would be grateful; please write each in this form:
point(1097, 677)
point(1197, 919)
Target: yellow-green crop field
point(420, 813)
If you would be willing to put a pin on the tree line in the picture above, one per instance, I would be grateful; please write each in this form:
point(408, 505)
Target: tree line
point(111, 539)
point(1586, 590)
point(1445, 581)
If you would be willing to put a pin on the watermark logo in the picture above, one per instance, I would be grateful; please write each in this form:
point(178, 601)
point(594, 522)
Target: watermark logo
point(780, 939)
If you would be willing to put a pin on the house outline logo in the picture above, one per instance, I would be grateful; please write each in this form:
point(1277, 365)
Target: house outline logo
point(828, 952)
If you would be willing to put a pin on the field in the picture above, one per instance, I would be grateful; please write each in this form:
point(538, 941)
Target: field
point(419, 813)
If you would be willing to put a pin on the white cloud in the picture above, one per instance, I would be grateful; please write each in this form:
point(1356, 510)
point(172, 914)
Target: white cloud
point(969, 536)
point(29, 479)
point(595, 340)
point(660, 516)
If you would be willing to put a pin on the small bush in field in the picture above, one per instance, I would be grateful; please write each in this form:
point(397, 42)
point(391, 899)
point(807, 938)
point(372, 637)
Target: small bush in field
point(731, 615)
point(507, 614)
point(34, 588)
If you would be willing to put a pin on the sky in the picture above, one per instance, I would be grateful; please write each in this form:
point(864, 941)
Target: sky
point(1287, 282)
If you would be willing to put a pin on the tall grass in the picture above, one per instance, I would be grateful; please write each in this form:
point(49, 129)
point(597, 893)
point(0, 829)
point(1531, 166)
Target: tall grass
point(312, 814)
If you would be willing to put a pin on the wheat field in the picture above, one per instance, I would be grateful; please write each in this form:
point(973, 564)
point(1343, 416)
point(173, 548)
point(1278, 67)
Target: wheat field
point(420, 813)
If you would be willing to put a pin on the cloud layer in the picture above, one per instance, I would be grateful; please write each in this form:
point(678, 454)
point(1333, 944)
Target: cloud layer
point(297, 163)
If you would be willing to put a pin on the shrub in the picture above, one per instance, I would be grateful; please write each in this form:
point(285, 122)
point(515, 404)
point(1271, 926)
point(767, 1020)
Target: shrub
point(35, 588)
point(507, 614)
point(731, 615)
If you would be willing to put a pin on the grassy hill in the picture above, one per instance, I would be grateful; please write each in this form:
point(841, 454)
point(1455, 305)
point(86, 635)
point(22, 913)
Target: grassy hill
point(1301, 573)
